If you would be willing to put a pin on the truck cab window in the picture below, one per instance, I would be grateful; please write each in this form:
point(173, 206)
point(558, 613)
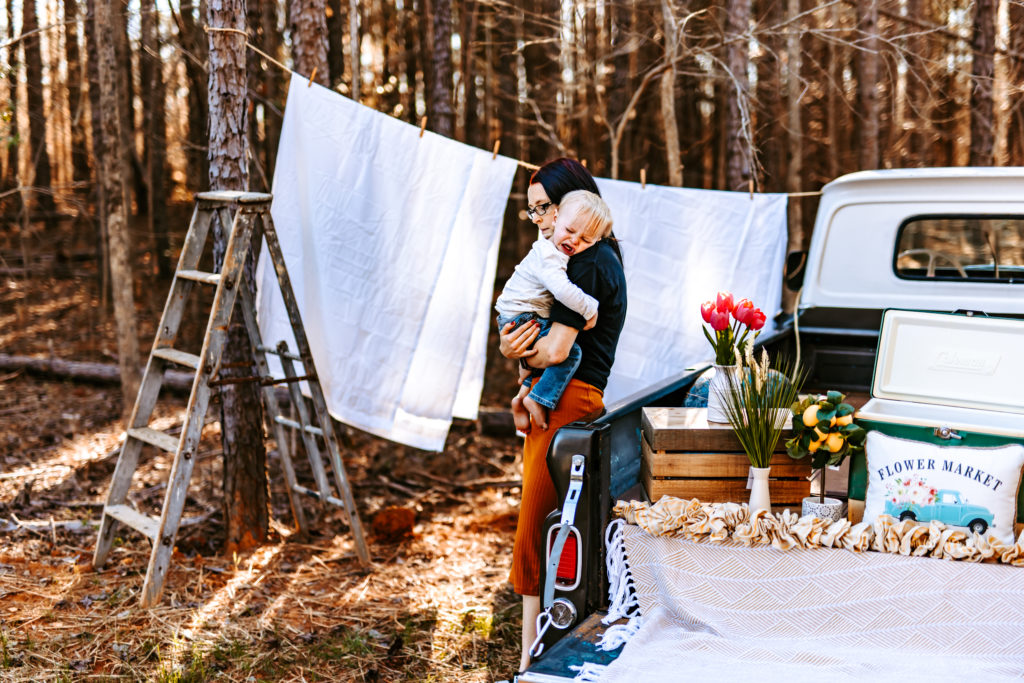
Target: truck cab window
point(961, 247)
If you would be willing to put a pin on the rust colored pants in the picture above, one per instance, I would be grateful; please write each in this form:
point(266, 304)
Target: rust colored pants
point(539, 497)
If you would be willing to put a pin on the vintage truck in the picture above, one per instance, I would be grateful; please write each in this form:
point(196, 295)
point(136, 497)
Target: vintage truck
point(943, 239)
point(947, 508)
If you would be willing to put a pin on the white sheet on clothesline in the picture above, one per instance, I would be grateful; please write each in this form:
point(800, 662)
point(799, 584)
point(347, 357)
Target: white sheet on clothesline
point(680, 246)
point(391, 241)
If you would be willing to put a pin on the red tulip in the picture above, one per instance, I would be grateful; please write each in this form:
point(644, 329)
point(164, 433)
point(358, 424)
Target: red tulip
point(725, 302)
point(719, 320)
point(756, 319)
point(706, 309)
point(743, 310)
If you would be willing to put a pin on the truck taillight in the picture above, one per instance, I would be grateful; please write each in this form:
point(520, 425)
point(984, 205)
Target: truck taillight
point(567, 577)
point(567, 564)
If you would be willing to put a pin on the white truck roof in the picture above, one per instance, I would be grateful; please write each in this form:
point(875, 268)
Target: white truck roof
point(851, 259)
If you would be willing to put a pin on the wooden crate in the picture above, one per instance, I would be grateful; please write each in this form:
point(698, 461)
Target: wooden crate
point(686, 456)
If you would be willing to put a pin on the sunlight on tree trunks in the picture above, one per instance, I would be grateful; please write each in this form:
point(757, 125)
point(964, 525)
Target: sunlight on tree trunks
point(115, 196)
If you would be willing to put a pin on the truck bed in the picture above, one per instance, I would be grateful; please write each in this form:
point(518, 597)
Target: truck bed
point(574, 649)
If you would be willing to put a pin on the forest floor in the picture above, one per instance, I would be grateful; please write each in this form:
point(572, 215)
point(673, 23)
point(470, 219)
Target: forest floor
point(434, 605)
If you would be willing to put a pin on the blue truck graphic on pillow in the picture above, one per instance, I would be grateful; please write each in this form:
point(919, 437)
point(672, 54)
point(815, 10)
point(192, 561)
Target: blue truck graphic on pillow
point(947, 509)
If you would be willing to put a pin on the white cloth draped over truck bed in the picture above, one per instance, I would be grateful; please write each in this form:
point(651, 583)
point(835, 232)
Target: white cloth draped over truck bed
point(391, 242)
point(723, 611)
point(680, 246)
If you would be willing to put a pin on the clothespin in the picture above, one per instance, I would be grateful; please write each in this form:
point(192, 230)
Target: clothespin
point(497, 146)
point(311, 77)
point(750, 184)
point(423, 125)
point(643, 178)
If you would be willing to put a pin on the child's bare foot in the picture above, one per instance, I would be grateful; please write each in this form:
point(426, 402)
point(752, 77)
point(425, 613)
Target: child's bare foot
point(538, 412)
point(520, 416)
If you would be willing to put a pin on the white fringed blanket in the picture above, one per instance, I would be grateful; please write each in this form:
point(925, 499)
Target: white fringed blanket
point(723, 611)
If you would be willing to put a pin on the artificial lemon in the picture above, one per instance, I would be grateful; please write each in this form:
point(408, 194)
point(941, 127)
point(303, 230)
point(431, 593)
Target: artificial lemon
point(821, 434)
point(844, 420)
point(834, 442)
point(815, 445)
point(811, 415)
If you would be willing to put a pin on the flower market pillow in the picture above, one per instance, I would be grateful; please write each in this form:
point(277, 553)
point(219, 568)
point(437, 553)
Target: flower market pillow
point(974, 488)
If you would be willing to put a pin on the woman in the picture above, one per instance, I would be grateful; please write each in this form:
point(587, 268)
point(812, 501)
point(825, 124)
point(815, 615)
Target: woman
point(598, 271)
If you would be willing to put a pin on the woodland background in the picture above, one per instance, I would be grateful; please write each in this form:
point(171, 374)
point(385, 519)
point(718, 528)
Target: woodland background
point(781, 94)
point(113, 113)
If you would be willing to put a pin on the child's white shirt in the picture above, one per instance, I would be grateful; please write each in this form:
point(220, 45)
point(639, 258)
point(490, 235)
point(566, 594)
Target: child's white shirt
point(539, 280)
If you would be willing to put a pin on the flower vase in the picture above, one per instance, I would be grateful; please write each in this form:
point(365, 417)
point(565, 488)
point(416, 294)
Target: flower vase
point(718, 392)
point(760, 498)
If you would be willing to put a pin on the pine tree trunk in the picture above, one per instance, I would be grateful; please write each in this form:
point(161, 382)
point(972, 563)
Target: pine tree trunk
point(118, 31)
point(441, 116)
point(353, 49)
point(40, 158)
point(309, 38)
point(794, 137)
point(245, 477)
point(770, 112)
point(471, 133)
point(257, 111)
point(268, 82)
point(336, 29)
point(193, 40)
point(669, 123)
point(156, 134)
point(1015, 103)
point(10, 179)
point(622, 82)
point(794, 123)
point(739, 158)
point(412, 60)
point(76, 99)
point(866, 65)
point(591, 131)
point(96, 129)
point(115, 194)
point(836, 108)
point(983, 44)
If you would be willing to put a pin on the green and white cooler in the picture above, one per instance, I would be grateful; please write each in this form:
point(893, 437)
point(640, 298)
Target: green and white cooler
point(947, 379)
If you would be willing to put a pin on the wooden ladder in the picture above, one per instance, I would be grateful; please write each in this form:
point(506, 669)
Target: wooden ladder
point(248, 215)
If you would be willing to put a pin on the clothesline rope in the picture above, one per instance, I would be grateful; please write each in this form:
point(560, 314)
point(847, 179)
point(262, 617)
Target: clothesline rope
point(524, 164)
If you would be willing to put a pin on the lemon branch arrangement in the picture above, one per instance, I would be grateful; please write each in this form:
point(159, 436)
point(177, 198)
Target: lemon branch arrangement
point(823, 428)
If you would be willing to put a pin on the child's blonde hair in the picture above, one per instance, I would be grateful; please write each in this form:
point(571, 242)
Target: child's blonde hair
point(588, 213)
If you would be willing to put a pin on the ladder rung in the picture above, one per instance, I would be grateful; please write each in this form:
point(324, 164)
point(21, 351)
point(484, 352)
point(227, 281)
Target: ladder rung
point(315, 494)
point(295, 425)
point(161, 440)
point(232, 196)
point(200, 276)
point(189, 360)
point(148, 526)
point(286, 354)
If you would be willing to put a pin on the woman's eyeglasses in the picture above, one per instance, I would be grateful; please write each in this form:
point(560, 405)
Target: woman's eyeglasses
point(538, 210)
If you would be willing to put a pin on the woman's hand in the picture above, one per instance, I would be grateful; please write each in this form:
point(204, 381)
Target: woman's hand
point(516, 341)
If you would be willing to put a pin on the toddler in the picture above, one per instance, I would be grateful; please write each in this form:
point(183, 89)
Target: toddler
point(582, 220)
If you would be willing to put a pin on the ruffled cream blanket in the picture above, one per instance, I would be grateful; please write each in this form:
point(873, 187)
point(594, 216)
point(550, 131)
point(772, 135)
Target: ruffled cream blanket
point(720, 521)
point(720, 602)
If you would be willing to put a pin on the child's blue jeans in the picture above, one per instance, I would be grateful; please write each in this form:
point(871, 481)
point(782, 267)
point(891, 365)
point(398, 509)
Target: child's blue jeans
point(548, 383)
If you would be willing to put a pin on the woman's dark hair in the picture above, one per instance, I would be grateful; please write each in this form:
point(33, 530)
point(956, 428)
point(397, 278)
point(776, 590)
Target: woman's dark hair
point(564, 175)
